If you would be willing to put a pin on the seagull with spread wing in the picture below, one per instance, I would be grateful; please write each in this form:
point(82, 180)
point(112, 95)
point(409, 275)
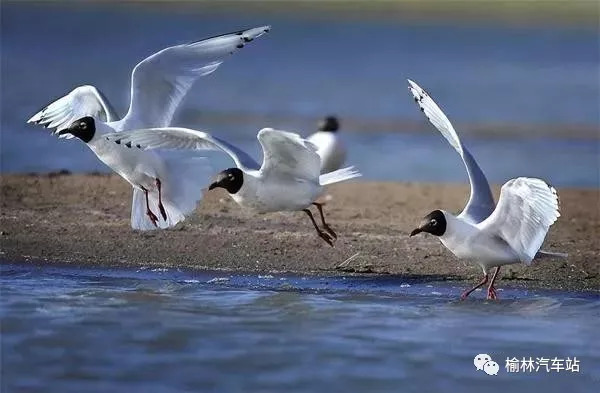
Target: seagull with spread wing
point(289, 178)
point(158, 85)
point(493, 235)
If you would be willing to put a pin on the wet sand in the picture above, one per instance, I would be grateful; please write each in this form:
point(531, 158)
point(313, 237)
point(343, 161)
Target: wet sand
point(84, 220)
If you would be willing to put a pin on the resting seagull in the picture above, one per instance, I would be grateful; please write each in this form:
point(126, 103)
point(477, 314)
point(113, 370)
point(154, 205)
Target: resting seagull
point(288, 180)
point(158, 85)
point(329, 146)
point(509, 233)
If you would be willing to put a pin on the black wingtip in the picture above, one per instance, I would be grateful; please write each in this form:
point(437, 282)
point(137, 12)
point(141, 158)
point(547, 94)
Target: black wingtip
point(239, 32)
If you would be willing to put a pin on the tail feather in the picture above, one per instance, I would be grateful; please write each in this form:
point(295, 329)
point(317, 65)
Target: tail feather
point(187, 179)
point(339, 175)
point(182, 189)
point(139, 219)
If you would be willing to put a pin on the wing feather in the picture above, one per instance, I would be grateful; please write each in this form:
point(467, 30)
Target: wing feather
point(481, 201)
point(526, 209)
point(160, 82)
point(287, 153)
point(181, 139)
point(82, 101)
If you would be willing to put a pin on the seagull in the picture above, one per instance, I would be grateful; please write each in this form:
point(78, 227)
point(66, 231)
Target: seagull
point(493, 235)
point(289, 178)
point(158, 85)
point(329, 146)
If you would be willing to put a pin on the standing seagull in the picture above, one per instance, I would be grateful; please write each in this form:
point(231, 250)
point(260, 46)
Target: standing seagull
point(288, 180)
point(509, 233)
point(158, 85)
point(329, 146)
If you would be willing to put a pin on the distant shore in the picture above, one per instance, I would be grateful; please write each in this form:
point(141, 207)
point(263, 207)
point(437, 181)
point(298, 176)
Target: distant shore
point(529, 13)
point(84, 220)
point(358, 124)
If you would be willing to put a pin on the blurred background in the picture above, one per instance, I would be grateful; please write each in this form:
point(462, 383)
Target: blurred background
point(519, 80)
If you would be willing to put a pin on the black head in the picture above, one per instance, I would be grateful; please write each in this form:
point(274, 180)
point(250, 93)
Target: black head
point(330, 123)
point(434, 223)
point(84, 129)
point(230, 179)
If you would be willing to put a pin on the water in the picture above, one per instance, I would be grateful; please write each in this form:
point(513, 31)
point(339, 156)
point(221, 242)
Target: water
point(72, 329)
point(546, 79)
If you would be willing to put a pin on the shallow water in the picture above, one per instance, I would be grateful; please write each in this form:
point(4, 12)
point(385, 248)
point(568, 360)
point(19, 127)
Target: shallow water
point(70, 329)
point(545, 78)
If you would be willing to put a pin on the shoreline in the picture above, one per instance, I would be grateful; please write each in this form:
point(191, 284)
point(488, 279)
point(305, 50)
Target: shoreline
point(400, 125)
point(327, 280)
point(83, 220)
point(529, 14)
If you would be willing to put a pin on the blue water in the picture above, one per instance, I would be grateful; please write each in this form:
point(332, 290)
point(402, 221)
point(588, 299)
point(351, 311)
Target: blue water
point(69, 329)
point(544, 78)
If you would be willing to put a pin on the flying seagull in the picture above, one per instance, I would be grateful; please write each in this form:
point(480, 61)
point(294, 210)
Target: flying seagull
point(493, 235)
point(288, 180)
point(329, 146)
point(158, 85)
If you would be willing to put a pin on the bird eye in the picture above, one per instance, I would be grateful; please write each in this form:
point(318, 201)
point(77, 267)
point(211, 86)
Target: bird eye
point(433, 222)
point(82, 125)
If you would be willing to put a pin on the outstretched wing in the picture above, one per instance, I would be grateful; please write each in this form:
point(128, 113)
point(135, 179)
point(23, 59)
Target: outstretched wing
point(287, 153)
point(181, 139)
point(526, 209)
point(82, 101)
point(481, 202)
point(159, 83)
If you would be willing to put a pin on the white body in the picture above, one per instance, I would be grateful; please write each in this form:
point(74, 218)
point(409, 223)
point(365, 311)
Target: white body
point(264, 194)
point(330, 149)
point(469, 242)
point(158, 85)
point(140, 168)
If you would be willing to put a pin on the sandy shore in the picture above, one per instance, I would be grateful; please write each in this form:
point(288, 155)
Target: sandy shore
point(84, 220)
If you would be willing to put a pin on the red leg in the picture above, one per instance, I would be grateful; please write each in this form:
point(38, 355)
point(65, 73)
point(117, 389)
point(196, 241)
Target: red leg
point(149, 213)
point(492, 295)
point(163, 213)
point(324, 235)
point(325, 225)
point(467, 293)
